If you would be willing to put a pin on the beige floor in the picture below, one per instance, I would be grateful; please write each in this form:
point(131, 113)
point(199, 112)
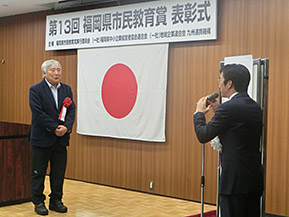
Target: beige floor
point(91, 200)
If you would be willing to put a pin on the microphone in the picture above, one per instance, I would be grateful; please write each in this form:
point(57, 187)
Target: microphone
point(212, 97)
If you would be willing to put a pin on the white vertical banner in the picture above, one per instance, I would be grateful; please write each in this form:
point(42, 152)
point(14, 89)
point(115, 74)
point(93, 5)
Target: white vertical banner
point(122, 92)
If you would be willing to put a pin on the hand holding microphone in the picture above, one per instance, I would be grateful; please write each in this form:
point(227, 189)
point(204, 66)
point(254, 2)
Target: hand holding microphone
point(212, 98)
point(205, 103)
point(213, 101)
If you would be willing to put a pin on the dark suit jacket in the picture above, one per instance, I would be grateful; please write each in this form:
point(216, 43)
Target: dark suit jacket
point(238, 123)
point(45, 114)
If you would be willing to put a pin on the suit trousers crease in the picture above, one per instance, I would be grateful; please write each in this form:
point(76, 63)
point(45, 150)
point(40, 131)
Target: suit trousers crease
point(57, 156)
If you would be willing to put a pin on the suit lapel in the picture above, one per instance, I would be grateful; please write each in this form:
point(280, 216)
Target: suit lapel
point(60, 97)
point(47, 91)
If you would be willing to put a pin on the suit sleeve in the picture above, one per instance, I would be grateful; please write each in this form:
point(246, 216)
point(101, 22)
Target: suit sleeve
point(206, 132)
point(40, 117)
point(70, 115)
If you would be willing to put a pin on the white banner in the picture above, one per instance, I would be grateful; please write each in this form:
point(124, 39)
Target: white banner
point(122, 92)
point(144, 23)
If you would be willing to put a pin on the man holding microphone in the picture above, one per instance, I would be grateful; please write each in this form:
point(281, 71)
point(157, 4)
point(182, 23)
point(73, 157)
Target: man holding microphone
point(238, 124)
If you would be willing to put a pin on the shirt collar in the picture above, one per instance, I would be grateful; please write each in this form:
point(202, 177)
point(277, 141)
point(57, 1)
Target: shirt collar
point(51, 86)
point(234, 94)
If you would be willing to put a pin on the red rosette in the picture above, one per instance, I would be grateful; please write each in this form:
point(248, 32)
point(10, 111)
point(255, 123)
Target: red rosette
point(66, 103)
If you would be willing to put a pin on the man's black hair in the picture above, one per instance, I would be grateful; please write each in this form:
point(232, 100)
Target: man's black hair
point(238, 74)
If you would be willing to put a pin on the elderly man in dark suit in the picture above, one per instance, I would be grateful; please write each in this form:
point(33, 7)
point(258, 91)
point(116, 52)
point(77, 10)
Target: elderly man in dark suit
point(238, 124)
point(53, 113)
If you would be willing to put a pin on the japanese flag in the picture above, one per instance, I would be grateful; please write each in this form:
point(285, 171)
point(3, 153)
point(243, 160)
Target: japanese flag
point(122, 92)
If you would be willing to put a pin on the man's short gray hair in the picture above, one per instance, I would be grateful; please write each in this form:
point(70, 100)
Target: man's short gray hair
point(49, 63)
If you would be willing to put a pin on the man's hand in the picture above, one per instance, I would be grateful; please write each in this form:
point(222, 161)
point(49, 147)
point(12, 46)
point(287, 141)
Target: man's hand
point(214, 104)
point(60, 130)
point(201, 105)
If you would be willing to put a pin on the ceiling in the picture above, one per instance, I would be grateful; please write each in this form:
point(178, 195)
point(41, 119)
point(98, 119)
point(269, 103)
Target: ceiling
point(14, 7)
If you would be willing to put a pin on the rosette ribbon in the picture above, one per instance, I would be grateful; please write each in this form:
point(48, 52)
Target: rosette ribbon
point(66, 103)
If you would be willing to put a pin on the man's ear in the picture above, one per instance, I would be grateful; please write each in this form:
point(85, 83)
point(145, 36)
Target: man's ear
point(230, 84)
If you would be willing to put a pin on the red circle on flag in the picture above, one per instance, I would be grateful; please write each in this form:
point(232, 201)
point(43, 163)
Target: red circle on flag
point(119, 90)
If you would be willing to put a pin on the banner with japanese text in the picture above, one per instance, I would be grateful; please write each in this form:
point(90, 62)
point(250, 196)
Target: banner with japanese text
point(121, 92)
point(143, 23)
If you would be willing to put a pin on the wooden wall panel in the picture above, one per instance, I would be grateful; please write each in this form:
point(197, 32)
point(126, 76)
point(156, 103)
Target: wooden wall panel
point(276, 35)
point(257, 27)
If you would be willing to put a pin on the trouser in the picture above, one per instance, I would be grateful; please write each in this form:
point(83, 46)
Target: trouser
point(57, 156)
point(240, 205)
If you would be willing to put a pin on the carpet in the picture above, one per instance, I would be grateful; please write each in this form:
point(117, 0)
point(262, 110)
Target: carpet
point(206, 214)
